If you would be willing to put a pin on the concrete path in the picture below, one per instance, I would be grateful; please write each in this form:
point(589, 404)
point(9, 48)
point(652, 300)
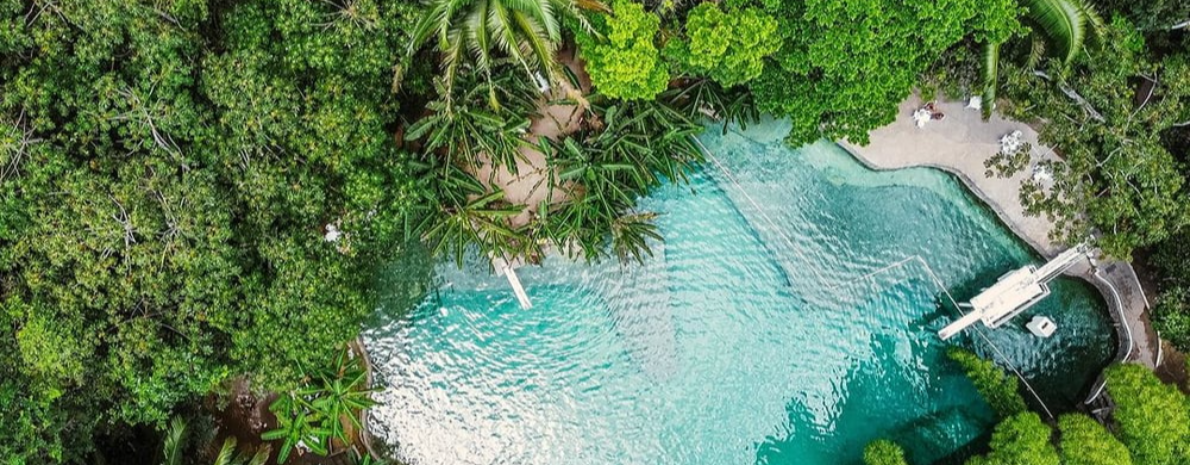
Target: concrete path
point(960, 144)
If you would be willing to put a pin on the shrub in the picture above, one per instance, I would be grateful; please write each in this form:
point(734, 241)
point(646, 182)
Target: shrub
point(1085, 442)
point(625, 63)
point(999, 389)
point(1020, 439)
point(1153, 418)
point(884, 452)
point(729, 47)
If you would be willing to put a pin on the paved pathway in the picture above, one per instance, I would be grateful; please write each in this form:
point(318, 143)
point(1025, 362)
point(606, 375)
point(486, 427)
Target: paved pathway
point(960, 144)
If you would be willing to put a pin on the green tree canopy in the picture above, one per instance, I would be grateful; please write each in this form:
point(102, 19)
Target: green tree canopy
point(624, 63)
point(1153, 418)
point(1000, 389)
point(1085, 442)
point(845, 65)
point(884, 452)
point(170, 169)
point(730, 47)
point(1022, 439)
point(1116, 180)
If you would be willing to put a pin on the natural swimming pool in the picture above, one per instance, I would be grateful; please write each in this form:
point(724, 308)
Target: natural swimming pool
point(758, 333)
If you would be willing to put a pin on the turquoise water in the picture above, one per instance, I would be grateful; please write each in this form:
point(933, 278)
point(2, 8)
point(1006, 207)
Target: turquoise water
point(763, 331)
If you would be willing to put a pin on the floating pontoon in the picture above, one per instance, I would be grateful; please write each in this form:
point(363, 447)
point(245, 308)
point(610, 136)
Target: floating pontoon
point(1012, 294)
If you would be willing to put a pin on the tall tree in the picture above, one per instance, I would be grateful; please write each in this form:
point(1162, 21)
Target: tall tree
point(1022, 439)
point(1116, 181)
point(1000, 389)
point(845, 65)
point(1085, 442)
point(1153, 418)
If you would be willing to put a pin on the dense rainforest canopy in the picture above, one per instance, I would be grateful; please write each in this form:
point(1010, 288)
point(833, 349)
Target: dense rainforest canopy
point(197, 190)
point(168, 170)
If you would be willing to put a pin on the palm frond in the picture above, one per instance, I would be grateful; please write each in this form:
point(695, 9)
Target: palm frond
point(991, 66)
point(174, 436)
point(261, 456)
point(1091, 16)
point(226, 453)
point(477, 28)
point(1062, 21)
point(542, 50)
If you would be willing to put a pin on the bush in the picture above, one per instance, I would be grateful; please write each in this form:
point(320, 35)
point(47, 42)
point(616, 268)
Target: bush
point(1153, 418)
point(884, 452)
point(1020, 439)
point(625, 62)
point(1171, 316)
point(999, 389)
point(729, 47)
point(1085, 442)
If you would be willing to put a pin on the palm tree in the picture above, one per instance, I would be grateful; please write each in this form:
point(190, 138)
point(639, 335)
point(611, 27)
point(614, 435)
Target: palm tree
point(527, 31)
point(1063, 23)
point(622, 151)
point(228, 455)
point(461, 131)
point(344, 394)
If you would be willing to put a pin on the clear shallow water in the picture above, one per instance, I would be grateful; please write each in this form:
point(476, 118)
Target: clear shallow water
point(756, 335)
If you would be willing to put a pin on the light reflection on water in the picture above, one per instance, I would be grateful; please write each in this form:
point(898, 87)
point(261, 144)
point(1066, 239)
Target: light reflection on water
point(746, 340)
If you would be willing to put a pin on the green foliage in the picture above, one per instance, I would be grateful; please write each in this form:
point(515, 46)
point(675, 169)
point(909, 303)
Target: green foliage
point(884, 452)
point(729, 47)
point(1153, 418)
point(1117, 179)
point(473, 32)
point(173, 444)
point(1149, 15)
point(1171, 313)
point(1085, 442)
point(1021, 439)
point(845, 65)
point(1064, 23)
point(464, 131)
point(999, 389)
point(317, 412)
point(38, 429)
point(168, 169)
point(626, 149)
point(229, 455)
point(624, 63)
point(1171, 316)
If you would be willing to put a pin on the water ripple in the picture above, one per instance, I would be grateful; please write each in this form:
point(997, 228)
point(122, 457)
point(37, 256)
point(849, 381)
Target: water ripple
point(749, 338)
